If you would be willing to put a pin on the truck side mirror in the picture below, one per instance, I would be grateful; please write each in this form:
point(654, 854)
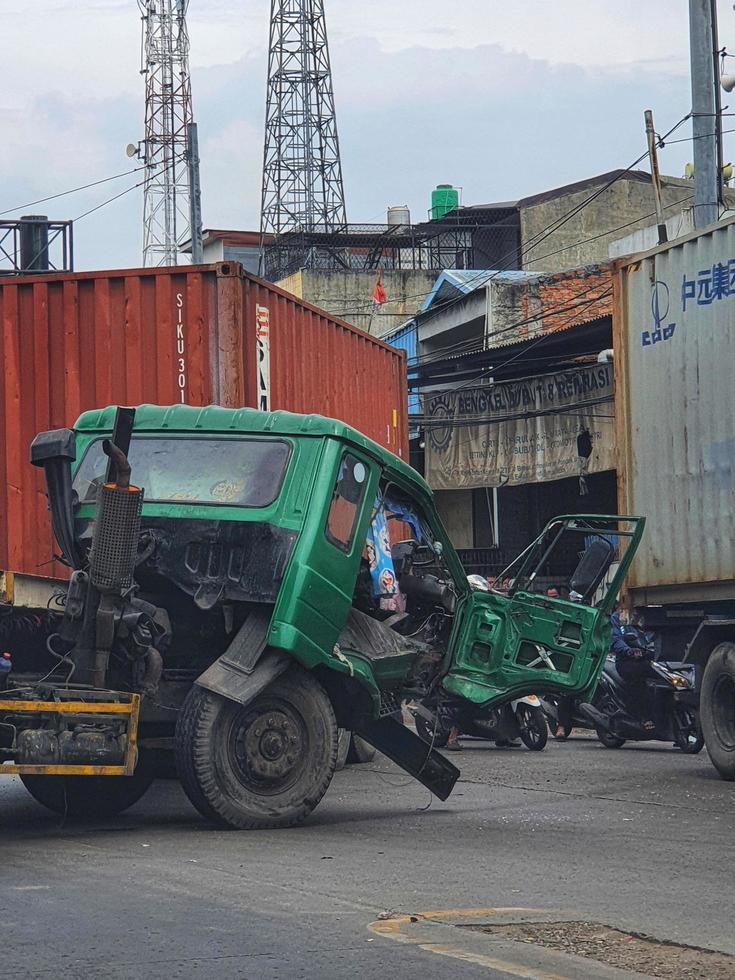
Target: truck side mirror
point(55, 451)
point(591, 569)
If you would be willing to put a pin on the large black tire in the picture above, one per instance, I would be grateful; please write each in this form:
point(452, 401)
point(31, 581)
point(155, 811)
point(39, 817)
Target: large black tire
point(609, 740)
point(717, 709)
point(534, 730)
point(91, 797)
point(265, 764)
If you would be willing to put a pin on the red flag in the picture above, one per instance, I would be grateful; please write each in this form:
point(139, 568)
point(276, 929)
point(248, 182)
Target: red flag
point(379, 295)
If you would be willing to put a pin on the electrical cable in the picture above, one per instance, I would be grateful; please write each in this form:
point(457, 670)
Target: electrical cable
point(434, 422)
point(549, 230)
point(526, 377)
point(464, 346)
point(73, 190)
point(109, 200)
point(545, 336)
point(360, 310)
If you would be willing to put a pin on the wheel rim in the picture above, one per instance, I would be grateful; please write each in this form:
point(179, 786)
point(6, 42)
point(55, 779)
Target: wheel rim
point(723, 710)
point(687, 736)
point(267, 741)
point(528, 727)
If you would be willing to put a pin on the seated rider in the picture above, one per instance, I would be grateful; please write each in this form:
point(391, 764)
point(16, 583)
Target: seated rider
point(632, 663)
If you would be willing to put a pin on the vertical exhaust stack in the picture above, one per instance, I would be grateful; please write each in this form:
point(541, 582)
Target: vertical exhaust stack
point(116, 528)
point(117, 521)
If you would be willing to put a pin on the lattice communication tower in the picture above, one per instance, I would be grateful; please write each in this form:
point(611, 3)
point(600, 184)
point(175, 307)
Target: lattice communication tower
point(168, 115)
point(302, 173)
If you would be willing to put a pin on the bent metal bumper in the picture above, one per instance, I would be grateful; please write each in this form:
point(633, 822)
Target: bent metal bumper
point(89, 710)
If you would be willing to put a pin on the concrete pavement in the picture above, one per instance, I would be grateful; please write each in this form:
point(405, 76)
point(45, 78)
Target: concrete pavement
point(640, 839)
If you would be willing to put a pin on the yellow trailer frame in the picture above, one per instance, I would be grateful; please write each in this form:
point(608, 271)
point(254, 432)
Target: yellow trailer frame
point(130, 708)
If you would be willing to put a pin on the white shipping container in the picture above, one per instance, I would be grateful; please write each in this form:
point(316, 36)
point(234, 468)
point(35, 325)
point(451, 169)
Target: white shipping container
point(674, 327)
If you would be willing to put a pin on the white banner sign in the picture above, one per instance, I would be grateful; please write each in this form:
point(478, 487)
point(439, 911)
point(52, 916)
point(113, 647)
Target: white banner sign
point(526, 431)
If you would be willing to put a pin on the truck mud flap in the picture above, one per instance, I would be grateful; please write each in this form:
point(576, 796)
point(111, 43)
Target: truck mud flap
point(246, 668)
point(407, 750)
point(230, 681)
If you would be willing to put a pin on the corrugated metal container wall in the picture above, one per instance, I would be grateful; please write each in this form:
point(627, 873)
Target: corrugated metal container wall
point(319, 364)
point(406, 339)
point(69, 343)
point(675, 350)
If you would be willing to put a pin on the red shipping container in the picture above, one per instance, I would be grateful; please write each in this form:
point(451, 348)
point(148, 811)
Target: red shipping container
point(201, 335)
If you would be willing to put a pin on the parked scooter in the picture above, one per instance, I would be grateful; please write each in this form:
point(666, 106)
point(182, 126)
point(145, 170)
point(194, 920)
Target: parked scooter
point(672, 702)
point(550, 705)
point(522, 719)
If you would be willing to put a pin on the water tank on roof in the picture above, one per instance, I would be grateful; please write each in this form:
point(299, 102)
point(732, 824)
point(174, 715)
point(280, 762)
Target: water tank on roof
point(399, 215)
point(443, 200)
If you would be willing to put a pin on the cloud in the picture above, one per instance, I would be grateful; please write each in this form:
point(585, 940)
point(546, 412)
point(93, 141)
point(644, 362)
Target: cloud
point(480, 102)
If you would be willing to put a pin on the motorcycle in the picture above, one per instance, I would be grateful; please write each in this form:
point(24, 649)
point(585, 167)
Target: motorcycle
point(672, 701)
point(550, 705)
point(523, 718)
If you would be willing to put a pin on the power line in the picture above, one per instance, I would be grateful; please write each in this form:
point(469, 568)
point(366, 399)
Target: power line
point(97, 207)
point(483, 277)
point(467, 421)
point(468, 383)
point(543, 337)
point(463, 346)
point(73, 190)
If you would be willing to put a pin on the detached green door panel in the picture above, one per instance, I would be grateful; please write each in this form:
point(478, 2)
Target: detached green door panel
point(316, 594)
point(506, 646)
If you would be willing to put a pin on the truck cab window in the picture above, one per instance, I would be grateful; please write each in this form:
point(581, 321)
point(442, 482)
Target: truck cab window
point(347, 498)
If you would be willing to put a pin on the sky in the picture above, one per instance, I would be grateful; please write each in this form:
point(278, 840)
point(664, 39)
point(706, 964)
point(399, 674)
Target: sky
point(502, 99)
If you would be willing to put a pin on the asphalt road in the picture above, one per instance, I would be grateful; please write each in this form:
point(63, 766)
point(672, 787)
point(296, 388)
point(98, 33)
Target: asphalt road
point(640, 838)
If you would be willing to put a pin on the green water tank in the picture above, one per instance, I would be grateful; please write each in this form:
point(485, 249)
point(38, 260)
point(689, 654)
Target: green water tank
point(444, 199)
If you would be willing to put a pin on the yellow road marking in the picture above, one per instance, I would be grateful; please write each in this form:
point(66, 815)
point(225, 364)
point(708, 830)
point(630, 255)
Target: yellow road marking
point(393, 929)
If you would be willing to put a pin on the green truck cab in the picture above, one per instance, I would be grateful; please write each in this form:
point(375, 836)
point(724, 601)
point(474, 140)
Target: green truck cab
point(246, 583)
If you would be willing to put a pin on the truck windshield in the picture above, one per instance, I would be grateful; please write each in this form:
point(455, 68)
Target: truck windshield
point(234, 472)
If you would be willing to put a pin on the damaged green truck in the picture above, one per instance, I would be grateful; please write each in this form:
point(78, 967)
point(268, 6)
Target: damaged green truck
point(243, 584)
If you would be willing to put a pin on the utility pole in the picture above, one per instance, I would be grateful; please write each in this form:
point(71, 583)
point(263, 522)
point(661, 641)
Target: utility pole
point(705, 116)
point(302, 171)
point(168, 115)
point(195, 196)
point(655, 177)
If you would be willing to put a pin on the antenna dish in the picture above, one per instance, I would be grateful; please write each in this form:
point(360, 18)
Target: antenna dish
point(131, 150)
point(727, 82)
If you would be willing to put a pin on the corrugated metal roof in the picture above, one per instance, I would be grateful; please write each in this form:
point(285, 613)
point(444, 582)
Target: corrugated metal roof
point(466, 281)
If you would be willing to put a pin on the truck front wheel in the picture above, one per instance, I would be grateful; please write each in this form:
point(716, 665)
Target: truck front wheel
point(91, 797)
point(264, 764)
point(717, 709)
